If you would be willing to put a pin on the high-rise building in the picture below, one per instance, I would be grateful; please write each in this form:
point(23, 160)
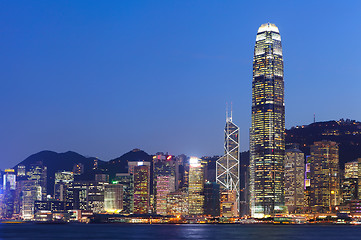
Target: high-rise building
point(177, 203)
point(164, 186)
point(9, 187)
point(211, 199)
point(113, 198)
point(228, 203)
point(164, 165)
point(325, 177)
point(227, 166)
point(349, 182)
point(351, 169)
point(38, 172)
point(86, 195)
point(127, 181)
point(195, 189)
point(63, 179)
point(141, 187)
point(267, 133)
point(30, 192)
point(294, 179)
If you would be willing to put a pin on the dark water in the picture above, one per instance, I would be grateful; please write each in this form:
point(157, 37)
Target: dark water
point(219, 232)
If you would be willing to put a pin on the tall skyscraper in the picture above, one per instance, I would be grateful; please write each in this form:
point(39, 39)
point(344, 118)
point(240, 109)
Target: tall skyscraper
point(267, 140)
point(164, 186)
point(325, 177)
point(195, 189)
point(141, 188)
point(227, 166)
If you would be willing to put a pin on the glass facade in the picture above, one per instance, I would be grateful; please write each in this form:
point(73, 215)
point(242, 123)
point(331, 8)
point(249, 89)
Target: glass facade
point(267, 139)
point(227, 166)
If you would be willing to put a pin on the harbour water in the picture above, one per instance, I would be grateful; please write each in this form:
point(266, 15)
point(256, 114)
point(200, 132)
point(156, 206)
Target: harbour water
point(186, 231)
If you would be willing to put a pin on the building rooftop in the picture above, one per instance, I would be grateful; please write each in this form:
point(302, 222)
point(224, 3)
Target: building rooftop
point(268, 27)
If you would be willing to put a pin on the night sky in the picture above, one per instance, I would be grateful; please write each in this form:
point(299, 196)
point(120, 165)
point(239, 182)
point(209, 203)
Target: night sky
point(104, 77)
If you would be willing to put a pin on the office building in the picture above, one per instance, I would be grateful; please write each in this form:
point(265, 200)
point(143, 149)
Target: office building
point(177, 203)
point(228, 166)
point(294, 179)
point(164, 186)
point(212, 199)
point(267, 139)
point(127, 182)
point(113, 198)
point(325, 178)
point(141, 187)
point(195, 189)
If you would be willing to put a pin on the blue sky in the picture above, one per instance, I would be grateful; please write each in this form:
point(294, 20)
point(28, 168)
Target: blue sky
point(104, 77)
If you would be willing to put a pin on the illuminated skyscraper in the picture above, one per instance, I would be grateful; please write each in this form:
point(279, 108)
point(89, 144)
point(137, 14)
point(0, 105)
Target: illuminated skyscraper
point(195, 189)
point(294, 179)
point(267, 140)
point(164, 186)
point(227, 166)
point(141, 188)
point(325, 178)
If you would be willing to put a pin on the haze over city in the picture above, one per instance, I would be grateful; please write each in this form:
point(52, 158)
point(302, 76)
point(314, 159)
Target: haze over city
point(104, 78)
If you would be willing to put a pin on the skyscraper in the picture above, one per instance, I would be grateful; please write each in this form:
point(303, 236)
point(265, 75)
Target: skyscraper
point(325, 177)
point(227, 166)
point(195, 189)
point(294, 179)
point(141, 188)
point(267, 140)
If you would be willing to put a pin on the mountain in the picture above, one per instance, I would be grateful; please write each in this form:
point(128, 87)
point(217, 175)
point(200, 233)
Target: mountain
point(120, 164)
point(347, 133)
point(57, 162)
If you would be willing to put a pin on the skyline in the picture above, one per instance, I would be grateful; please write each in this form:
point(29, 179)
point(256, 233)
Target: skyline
point(95, 78)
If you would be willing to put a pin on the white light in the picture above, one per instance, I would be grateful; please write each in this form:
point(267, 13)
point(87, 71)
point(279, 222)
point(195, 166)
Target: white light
point(140, 163)
point(268, 27)
point(194, 162)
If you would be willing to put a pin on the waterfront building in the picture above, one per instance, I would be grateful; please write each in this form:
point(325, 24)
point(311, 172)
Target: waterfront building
point(294, 179)
point(229, 204)
point(267, 133)
point(86, 195)
point(177, 203)
point(164, 186)
point(325, 177)
point(141, 187)
point(8, 196)
point(227, 166)
point(212, 199)
point(127, 181)
point(30, 192)
point(195, 189)
point(113, 198)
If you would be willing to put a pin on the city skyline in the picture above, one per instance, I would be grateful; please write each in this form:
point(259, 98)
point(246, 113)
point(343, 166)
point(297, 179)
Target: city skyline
point(79, 80)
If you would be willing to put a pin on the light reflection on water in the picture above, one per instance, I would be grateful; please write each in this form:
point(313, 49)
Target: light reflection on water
point(190, 231)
